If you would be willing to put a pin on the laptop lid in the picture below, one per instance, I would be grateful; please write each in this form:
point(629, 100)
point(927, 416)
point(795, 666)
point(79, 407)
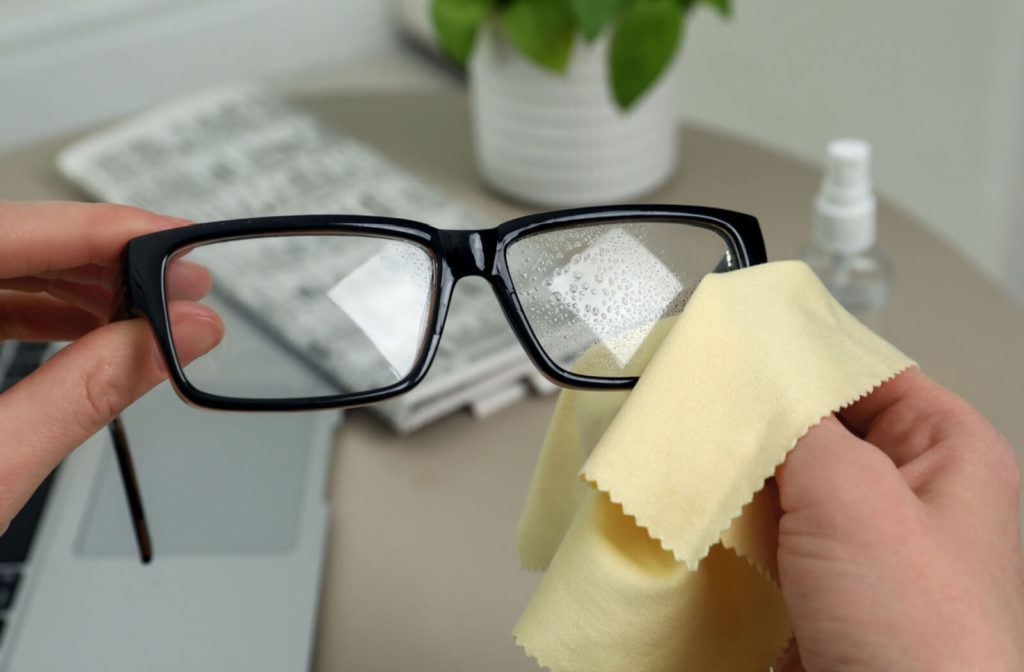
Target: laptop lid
point(238, 515)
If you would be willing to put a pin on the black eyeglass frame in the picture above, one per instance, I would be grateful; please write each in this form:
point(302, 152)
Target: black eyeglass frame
point(456, 254)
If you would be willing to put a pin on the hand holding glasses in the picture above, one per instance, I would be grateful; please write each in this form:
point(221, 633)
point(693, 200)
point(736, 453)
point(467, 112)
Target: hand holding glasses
point(583, 291)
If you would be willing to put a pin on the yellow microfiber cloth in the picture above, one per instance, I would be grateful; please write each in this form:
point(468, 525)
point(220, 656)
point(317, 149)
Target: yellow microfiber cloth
point(662, 557)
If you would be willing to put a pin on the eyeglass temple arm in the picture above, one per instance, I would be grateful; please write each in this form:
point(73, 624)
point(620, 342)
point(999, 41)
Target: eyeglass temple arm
point(119, 437)
point(131, 489)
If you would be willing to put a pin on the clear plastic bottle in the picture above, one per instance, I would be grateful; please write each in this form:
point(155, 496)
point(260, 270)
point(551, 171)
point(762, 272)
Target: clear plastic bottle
point(843, 250)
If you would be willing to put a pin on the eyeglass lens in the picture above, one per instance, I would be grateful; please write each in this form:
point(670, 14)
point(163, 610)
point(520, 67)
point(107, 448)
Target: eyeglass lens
point(374, 293)
point(599, 298)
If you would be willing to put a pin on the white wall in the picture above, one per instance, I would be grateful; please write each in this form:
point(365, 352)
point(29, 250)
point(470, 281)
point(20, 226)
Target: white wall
point(65, 64)
point(937, 86)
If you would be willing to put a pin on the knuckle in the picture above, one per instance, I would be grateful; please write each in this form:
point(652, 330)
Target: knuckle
point(101, 395)
point(902, 424)
point(994, 463)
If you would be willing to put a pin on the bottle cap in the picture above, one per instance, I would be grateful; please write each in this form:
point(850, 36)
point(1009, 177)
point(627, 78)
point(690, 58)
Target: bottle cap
point(844, 220)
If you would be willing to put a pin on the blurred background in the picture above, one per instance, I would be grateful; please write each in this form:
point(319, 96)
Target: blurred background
point(937, 87)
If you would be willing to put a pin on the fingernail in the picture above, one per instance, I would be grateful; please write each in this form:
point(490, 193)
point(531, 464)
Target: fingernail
point(197, 329)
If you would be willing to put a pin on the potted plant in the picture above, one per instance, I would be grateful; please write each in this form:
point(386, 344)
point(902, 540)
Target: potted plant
point(573, 101)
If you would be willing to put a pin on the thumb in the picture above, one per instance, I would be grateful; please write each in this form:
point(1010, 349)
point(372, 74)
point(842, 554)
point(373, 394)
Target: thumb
point(839, 492)
point(830, 466)
point(80, 389)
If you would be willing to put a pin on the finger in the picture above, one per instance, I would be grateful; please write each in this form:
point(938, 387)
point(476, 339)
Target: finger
point(921, 442)
point(830, 469)
point(90, 274)
point(95, 299)
point(81, 389)
point(908, 415)
point(187, 280)
point(30, 317)
point(36, 237)
point(947, 452)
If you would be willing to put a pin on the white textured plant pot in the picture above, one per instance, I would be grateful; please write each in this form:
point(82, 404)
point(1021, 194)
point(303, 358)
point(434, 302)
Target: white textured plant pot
point(560, 139)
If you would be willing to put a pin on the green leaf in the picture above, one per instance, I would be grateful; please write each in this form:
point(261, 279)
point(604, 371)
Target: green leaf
point(542, 30)
point(644, 42)
point(593, 15)
point(457, 23)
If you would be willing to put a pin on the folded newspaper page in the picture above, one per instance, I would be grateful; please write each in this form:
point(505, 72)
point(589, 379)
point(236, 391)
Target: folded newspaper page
point(243, 152)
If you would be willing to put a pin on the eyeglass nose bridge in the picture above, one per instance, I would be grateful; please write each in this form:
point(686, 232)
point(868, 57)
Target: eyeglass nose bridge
point(469, 252)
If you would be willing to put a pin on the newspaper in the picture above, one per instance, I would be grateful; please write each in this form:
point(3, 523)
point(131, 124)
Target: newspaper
point(243, 152)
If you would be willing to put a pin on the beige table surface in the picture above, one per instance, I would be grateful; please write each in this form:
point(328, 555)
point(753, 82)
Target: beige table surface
point(421, 572)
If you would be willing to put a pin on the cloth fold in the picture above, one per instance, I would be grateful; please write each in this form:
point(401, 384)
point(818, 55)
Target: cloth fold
point(662, 556)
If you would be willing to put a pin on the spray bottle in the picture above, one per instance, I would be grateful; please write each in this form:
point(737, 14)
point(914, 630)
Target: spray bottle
point(843, 250)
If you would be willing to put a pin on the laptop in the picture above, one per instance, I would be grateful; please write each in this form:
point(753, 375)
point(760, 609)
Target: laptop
point(237, 511)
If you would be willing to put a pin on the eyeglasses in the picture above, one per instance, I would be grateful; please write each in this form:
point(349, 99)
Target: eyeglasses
point(581, 289)
point(586, 292)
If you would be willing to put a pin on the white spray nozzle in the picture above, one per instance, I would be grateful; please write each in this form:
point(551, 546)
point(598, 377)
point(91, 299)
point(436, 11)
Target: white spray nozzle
point(847, 171)
point(845, 218)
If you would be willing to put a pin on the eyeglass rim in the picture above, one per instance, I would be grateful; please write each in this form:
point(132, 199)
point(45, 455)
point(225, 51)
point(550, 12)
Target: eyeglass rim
point(740, 231)
point(145, 259)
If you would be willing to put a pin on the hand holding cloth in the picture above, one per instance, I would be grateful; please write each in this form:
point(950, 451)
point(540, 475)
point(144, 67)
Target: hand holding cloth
point(662, 556)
